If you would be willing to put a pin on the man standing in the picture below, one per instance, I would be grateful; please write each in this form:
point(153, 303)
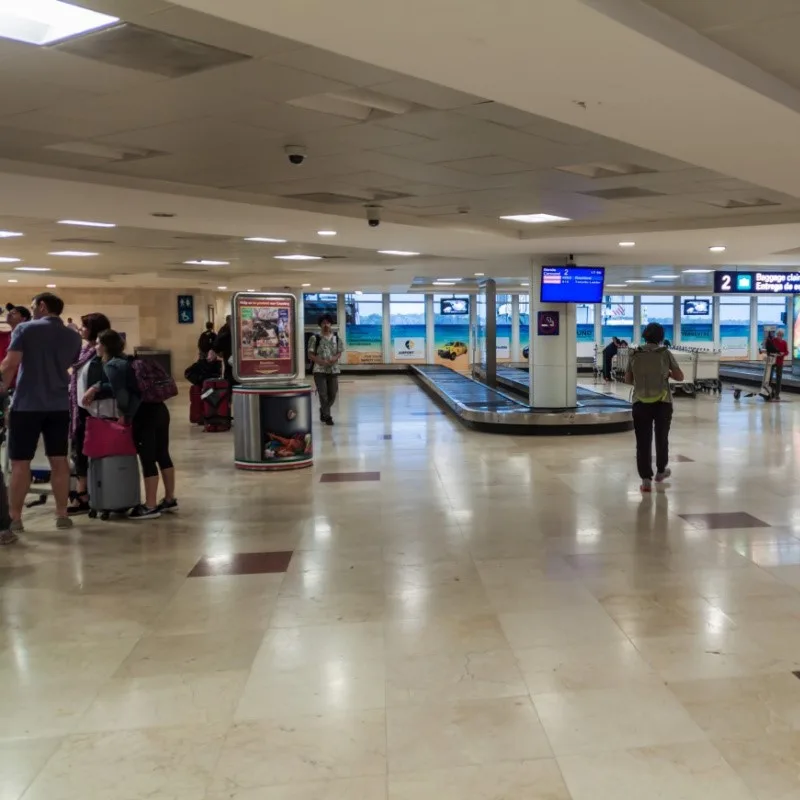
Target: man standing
point(72, 326)
point(781, 351)
point(609, 351)
point(207, 339)
point(43, 351)
point(325, 351)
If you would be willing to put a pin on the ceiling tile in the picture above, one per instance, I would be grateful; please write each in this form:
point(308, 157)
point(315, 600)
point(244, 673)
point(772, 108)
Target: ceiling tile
point(487, 165)
point(332, 65)
point(289, 119)
point(714, 14)
point(426, 94)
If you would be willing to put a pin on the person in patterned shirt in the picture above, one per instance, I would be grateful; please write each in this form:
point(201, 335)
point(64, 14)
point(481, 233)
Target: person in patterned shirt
point(325, 351)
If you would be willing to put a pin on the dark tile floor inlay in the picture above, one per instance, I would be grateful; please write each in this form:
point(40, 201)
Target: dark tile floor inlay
point(346, 477)
point(242, 564)
point(724, 519)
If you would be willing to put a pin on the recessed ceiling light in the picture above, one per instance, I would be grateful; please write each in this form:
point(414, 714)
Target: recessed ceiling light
point(50, 286)
point(299, 257)
point(222, 288)
point(640, 280)
point(42, 22)
point(9, 260)
point(251, 290)
point(266, 239)
point(615, 286)
point(32, 269)
point(535, 218)
point(326, 233)
point(449, 280)
point(76, 253)
point(526, 284)
point(326, 288)
point(717, 248)
point(627, 244)
point(9, 234)
point(479, 274)
point(13, 280)
point(398, 253)
point(86, 223)
point(444, 283)
point(666, 277)
point(358, 291)
point(305, 285)
point(697, 271)
point(204, 262)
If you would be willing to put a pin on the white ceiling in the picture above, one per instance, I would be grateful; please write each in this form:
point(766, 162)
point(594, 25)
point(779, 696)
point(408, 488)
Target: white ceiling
point(496, 142)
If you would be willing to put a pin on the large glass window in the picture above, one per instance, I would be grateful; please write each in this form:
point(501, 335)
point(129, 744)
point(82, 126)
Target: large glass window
point(661, 310)
point(584, 314)
point(364, 328)
point(617, 319)
point(771, 315)
point(407, 321)
point(503, 325)
point(734, 326)
point(451, 330)
point(315, 305)
point(697, 320)
point(525, 324)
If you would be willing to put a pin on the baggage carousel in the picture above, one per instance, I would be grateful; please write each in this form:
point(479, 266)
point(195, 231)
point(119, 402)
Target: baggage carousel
point(482, 408)
point(752, 373)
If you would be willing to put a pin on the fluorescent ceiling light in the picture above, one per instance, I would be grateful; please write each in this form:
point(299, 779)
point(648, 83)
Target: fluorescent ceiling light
point(526, 284)
point(222, 288)
point(299, 257)
point(358, 291)
point(326, 288)
point(615, 286)
point(326, 233)
point(204, 262)
point(9, 260)
point(251, 290)
point(85, 223)
point(449, 280)
point(76, 253)
point(9, 234)
point(50, 286)
point(697, 271)
point(479, 274)
point(717, 248)
point(443, 283)
point(265, 239)
point(46, 21)
point(637, 280)
point(627, 244)
point(13, 280)
point(32, 269)
point(305, 285)
point(398, 253)
point(666, 277)
point(535, 218)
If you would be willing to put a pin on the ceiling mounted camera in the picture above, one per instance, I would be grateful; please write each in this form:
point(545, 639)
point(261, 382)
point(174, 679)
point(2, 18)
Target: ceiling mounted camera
point(296, 153)
point(373, 215)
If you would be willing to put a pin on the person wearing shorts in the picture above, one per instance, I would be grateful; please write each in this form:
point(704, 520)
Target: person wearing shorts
point(40, 355)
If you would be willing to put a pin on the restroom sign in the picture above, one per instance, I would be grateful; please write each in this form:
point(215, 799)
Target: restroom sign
point(185, 309)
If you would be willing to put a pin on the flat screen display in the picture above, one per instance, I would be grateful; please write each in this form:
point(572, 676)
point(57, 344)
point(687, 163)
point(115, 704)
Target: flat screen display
point(696, 308)
point(756, 282)
point(454, 306)
point(572, 284)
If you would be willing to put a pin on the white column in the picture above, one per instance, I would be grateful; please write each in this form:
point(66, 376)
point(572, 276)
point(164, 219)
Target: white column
point(637, 320)
point(516, 350)
point(676, 313)
point(474, 357)
point(341, 316)
point(553, 359)
point(386, 332)
point(429, 350)
point(715, 304)
point(300, 335)
point(754, 343)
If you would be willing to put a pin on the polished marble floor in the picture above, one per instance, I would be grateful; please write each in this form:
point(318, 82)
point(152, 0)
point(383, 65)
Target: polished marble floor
point(485, 618)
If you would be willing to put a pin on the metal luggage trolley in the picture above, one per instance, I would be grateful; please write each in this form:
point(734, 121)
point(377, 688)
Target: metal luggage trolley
point(765, 391)
point(700, 369)
point(619, 364)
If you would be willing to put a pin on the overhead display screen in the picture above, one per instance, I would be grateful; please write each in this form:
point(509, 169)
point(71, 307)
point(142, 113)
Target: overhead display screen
point(572, 284)
point(454, 306)
point(696, 308)
point(756, 282)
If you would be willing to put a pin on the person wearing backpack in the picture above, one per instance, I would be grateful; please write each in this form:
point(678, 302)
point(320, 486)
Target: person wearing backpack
point(324, 352)
point(649, 369)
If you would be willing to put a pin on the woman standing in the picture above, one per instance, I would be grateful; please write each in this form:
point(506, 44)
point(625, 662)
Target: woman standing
point(649, 369)
point(86, 371)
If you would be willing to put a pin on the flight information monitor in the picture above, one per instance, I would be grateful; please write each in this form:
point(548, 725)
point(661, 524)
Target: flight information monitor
point(572, 284)
point(752, 282)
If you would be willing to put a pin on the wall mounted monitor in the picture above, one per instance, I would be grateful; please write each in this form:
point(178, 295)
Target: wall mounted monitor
point(736, 282)
point(696, 308)
point(454, 306)
point(572, 284)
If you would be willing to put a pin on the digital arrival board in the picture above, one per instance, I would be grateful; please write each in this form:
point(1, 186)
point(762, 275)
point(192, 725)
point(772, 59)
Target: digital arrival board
point(756, 282)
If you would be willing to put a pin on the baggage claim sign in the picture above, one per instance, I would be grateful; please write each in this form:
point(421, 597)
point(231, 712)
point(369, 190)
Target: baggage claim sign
point(756, 282)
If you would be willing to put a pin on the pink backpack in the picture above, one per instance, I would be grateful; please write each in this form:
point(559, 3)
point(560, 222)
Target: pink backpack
point(155, 386)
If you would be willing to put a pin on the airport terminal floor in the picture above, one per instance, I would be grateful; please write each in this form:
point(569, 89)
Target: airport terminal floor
point(431, 613)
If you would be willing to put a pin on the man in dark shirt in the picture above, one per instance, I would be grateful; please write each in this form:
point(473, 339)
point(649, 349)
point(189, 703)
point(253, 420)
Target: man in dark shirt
point(42, 351)
point(207, 339)
point(223, 347)
point(609, 352)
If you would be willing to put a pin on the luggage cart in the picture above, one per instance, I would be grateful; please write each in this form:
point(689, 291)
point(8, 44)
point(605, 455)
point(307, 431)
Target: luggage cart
point(765, 391)
point(700, 369)
point(40, 466)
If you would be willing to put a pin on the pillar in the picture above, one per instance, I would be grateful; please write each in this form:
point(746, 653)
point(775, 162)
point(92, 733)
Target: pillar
point(429, 324)
point(553, 364)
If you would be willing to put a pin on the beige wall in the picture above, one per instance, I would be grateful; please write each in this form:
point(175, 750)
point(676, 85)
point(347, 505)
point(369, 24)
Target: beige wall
point(157, 311)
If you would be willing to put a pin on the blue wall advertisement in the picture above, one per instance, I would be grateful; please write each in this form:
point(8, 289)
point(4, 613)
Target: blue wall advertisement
point(364, 344)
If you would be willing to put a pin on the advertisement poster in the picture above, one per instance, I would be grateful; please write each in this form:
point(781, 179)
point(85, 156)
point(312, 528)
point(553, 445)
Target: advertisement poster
point(364, 344)
point(503, 341)
point(265, 332)
point(451, 345)
point(408, 349)
point(796, 327)
point(286, 428)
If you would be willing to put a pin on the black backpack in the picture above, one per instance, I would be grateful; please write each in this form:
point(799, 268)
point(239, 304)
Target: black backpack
point(313, 344)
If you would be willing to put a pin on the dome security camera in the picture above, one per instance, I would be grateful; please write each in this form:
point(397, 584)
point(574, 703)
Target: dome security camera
point(373, 215)
point(296, 153)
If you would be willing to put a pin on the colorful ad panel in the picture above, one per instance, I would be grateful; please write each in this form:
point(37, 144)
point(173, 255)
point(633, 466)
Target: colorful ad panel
point(364, 344)
point(264, 336)
point(451, 346)
point(408, 344)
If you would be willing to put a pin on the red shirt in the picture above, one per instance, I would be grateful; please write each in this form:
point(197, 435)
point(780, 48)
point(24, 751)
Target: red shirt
point(783, 350)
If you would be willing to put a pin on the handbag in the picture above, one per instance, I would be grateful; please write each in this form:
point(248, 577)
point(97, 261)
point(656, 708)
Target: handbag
point(107, 437)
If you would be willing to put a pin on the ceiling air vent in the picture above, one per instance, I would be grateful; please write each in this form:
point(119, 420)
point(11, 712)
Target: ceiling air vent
point(749, 202)
point(334, 199)
point(82, 240)
point(623, 193)
point(203, 237)
point(134, 47)
point(605, 170)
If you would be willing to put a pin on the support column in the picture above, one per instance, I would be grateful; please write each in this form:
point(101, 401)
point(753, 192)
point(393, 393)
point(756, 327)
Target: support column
point(341, 315)
point(516, 350)
point(637, 320)
point(386, 331)
point(715, 308)
point(429, 322)
point(754, 344)
point(552, 365)
point(676, 314)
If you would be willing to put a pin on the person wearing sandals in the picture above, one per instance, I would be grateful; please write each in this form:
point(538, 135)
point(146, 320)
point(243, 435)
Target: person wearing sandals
point(86, 371)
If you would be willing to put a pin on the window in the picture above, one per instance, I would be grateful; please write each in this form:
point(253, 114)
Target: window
point(734, 326)
point(451, 333)
point(617, 311)
point(364, 328)
point(315, 305)
point(525, 324)
point(407, 321)
point(771, 315)
point(480, 313)
point(584, 314)
point(661, 310)
point(503, 327)
point(697, 327)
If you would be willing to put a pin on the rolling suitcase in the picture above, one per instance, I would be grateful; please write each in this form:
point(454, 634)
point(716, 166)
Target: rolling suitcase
point(216, 396)
point(113, 485)
point(196, 405)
